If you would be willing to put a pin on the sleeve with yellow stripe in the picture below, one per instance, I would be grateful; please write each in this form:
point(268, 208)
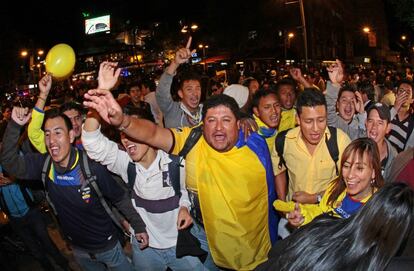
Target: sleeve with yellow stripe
point(180, 136)
point(35, 132)
point(308, 211)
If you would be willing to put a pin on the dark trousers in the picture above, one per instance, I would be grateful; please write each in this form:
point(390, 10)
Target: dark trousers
point(33, 231)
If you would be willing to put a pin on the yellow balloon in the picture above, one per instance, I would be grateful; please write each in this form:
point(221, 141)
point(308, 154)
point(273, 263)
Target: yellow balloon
point(60, 61)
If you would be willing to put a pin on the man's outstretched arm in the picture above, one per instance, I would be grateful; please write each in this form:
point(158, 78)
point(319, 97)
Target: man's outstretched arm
point(142, 130)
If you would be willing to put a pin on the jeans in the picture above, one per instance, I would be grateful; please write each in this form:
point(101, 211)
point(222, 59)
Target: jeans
point(159, 259)
point(200, 234)
point(112, 259)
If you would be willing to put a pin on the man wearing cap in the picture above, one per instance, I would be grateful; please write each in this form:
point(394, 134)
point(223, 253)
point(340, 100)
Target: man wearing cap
point(378, 125)
point(239, 93)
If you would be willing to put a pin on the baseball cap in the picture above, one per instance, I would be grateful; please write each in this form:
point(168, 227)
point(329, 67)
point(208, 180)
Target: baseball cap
point(238, 92)
point(382, 109)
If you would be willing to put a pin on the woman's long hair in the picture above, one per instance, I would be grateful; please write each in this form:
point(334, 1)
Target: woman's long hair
point(357, 149)
point(366, 241)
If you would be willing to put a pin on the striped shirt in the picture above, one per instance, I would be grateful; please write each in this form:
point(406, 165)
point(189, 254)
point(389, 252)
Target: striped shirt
point(400, 132)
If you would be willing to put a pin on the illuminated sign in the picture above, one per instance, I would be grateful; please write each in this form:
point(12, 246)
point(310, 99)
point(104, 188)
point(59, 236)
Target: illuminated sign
point(98, 24)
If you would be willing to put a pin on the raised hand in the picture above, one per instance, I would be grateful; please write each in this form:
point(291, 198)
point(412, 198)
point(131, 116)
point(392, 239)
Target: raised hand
point(184, 54)
point(104, 103)
point(108, 75)
point(21, 115)
point(295, 217)
point(358, 103)
point(296, 74)
point(400, 99)
point(336, 72)
point(45, 84)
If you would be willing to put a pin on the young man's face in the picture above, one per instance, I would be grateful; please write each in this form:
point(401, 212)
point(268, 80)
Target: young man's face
point(377, 128)
point(58, 140)
point(7, 113)
point(346, 106)
point(135, 150)
point(190, 94)
point(135, 93)
point(76, 119)
point(407, 89)
point(312, 122)
point(287, 96)
point(221, 128)
point(268, 110)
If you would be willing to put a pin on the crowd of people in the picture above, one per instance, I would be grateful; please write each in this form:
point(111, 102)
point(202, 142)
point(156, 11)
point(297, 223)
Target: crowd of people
point(291, 171)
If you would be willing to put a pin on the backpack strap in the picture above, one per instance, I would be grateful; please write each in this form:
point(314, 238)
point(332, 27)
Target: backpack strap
point(332, 144)
point(132, 174)
point(29, 201)
point(280, 146)
point(91, 180)
point(46, 168)
point(174, 173)
point(191, 140)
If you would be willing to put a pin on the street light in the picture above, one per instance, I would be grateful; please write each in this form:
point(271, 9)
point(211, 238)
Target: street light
point(304, 31)
point(185, 28)
point(204, 47)
point(403, 37)
point(288, 37)
point(366, 29)
point(32, 64)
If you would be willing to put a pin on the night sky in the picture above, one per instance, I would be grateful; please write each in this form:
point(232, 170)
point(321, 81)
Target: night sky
point(42, 24)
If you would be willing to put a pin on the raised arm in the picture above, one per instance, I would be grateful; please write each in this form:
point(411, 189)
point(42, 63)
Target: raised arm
point(101, 149)
point(163, 91)
point(142, 130)
point(35, 133)
point(336, 76)
point(296, 74)
point(108, 75)
point(10, 158)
